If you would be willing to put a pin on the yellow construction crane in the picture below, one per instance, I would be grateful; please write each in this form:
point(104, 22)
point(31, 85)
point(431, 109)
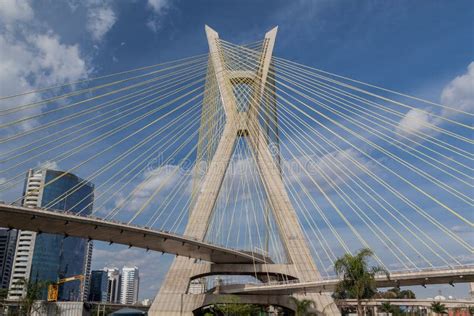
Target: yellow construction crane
point(53, 288)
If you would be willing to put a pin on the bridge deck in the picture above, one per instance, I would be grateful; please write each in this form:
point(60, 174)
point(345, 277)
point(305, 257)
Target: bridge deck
point(40, 220)
point(423, 277)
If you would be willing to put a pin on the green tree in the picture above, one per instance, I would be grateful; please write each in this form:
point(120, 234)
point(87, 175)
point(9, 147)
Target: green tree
point(302, 306)
point(396, 293)
point(438, 308)
point(386, 307)
point(408, 294)
point(230, 305)
point(33, 291)
point(358, 279)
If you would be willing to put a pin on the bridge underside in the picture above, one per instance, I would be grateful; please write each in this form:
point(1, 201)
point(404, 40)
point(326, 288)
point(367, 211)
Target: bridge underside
point(65, 224)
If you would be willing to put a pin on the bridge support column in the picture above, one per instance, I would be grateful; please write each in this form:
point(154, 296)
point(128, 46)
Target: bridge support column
point(174, 297)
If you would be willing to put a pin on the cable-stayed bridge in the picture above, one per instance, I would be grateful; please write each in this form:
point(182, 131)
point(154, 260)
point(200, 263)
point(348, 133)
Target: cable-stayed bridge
point(245, 164)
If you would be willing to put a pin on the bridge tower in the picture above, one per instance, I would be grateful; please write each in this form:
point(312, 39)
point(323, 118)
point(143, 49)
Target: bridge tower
point(174, 297)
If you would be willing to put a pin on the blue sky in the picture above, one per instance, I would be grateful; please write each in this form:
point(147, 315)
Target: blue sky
point(416, 47)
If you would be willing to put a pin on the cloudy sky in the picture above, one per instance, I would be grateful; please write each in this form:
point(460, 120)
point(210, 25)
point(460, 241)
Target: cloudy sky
point(421, 48)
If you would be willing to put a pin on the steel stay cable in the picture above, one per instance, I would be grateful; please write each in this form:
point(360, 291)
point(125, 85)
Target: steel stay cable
point(135, 165)
point(115, 144)
point(86, 90)
point(374, 86)
point(313, 230)
point(347, 108)
point(117, 208)
point(98, 78)
point(107, 134)
point(288, 80)
point(168, 143)
point(343, 127)
point(340, 94)
point(391, 171)
point(157, 190)
point(93, 119)
point(380, 181)
point(436, 223)
point(390, 100)
point(119, 116)
point(113, 162)
point(176, 191)
point(346, 222)
point(439, 129)
point(388, 153)
point(142, 208)
point(299, 131)
point(334, 185)
point(342, 217)
point(365, 169)
point(80, 113)
point(79, 102)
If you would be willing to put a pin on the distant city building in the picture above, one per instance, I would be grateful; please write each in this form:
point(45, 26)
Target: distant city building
point(198, 286)
point(7, 255)
point(129, 287)
point(99, 283)
point(87, 269)
point(146, 302)
point(113, 288)
point(50, 257)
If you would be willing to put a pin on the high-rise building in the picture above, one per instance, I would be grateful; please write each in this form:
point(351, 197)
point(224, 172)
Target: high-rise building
point(129, 287)
point(99, 283)
point(113, 288)
point(87, 269)
point(198, 286)
point(7, 254)
point(49, 257)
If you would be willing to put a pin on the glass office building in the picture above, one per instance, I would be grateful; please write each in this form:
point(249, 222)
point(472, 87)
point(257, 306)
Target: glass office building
point(98, 286)
point(7, 253)
point(54, 256)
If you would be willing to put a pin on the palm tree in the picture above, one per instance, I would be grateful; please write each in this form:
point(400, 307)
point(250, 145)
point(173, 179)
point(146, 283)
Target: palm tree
point(358, 279)
point(438, 308)
point(302, 306)
point(407, 294)
point(386, 307)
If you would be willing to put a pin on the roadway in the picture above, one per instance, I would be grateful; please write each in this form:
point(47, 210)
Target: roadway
point(67, 224)
point(463, 274)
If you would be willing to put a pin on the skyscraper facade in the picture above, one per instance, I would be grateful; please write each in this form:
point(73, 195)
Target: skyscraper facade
point(49, 257)
point(129, 287)
point(99, 283)
point(113, 288)
point(7, 254)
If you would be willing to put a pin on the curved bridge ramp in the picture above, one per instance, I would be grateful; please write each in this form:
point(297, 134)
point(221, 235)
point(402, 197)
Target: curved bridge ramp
point(47, 221)
point(461, 274)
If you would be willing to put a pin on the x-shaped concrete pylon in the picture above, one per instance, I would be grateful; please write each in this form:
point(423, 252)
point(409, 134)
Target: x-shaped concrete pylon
point(246, 124)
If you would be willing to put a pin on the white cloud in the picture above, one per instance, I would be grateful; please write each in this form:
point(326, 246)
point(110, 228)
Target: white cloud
point(414, 121)
point(62, 63)
point(15, 10)
point(459, 93)
point(35, 60)
point(165, 178)
point(100, 20)
point(309, 169)
point(53, 165)
point(158, 5)
point(32, 57)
